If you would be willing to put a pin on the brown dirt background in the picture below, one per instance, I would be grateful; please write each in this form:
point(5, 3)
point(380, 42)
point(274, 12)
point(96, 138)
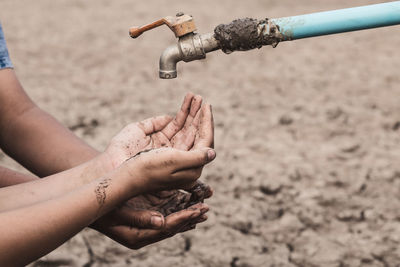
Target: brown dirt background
point(307, 134)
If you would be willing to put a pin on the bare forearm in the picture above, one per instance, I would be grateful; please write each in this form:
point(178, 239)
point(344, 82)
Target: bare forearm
point(42, 144)
point(9, 177)
point(57, 220)
point(33, 137)
point(32, 231)
point(37, 190)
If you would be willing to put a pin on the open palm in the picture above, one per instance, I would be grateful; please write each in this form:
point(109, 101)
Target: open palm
point(191, 128)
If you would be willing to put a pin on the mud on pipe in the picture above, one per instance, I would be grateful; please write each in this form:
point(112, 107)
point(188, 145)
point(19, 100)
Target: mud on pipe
point(246, 34)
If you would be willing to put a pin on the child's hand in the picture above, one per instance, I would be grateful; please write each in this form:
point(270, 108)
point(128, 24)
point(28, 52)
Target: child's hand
point(192, 128)
point(162, 131)
point(167, 168)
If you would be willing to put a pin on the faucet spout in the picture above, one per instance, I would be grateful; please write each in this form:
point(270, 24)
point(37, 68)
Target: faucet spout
point(190, 47)
point(168, 60)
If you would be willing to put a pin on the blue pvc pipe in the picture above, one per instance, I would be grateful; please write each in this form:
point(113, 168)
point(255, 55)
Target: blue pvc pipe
point(337, 21)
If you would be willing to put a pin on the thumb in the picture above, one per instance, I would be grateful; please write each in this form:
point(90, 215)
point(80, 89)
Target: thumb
point(194, 158)
point(145, 219)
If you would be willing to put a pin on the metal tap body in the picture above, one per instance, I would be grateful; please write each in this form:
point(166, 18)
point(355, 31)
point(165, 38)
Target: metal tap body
point(192, 46)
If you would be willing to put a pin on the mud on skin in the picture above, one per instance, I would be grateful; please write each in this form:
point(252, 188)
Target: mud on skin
point(195, 195)
point(178, 200)
point(168, 202)
point(244, 34)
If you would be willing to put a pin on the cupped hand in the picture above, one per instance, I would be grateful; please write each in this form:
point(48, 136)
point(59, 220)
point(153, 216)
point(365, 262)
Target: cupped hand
point(168, 202)
point(150, 218)
point(191, 128)
point(166, 168)
point(157, 170)
point(136, 228)
point(131, 224)
point(156, 132)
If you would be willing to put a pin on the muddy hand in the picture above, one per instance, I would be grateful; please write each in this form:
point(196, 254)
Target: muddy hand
point(197, 131)
point(156, 132)
point(191, 128)
point(204, 138)
point(149, 218)
point(135, 228)
point(181, 131)
point(165, 169)
point(168, 202)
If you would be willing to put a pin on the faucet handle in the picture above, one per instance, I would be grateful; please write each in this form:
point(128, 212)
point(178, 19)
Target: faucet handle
point(181, 25)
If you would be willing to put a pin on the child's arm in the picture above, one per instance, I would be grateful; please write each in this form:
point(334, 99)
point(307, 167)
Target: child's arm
point(38, 190)
point(30, 232)
point(9, 177)
point(133, 228)
point(143, 231)
point(32, 136)
point(136, 136)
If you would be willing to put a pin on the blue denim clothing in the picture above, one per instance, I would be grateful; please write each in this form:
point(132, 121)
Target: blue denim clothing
point(5, 61)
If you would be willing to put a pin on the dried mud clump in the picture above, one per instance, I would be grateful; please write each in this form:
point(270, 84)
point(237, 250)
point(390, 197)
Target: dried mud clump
point(246, 34)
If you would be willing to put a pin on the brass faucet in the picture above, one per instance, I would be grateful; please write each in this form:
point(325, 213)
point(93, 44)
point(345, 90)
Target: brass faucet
point(191, 46)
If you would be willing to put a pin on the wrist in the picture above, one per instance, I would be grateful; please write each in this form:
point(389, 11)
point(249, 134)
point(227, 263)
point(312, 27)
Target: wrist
point(132, 175)
point(105, 163)
point(129, 173)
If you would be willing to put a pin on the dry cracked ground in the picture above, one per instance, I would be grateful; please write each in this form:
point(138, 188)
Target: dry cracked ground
point(307, 134)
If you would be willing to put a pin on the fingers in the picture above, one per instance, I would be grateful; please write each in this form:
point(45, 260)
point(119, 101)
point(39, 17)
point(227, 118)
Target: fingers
point(205, 134)
point(188, 162)
point(174, 160)
point(189, 177)
point(178, 122)
point(135, 238)
point(196, 120)
point(155, 124)
point(194, 108)
point(184, 139)
point(167, 168)
point(193, 225)
point(140, 218)
point(178, 221)
point(175, 223)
